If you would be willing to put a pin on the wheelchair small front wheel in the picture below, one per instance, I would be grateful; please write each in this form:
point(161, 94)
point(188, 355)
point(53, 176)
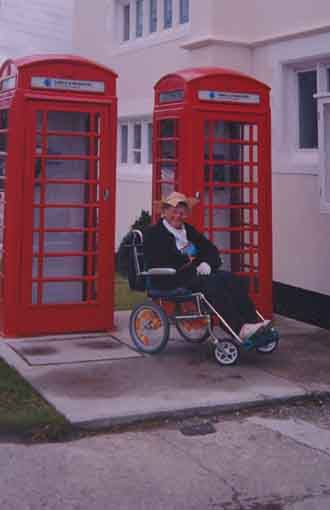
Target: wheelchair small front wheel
point(226, 352)
point(149, 328)
point(268, 348)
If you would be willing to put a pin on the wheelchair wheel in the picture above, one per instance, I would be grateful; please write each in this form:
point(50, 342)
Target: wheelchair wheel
point(194, 331)
point(226, 352)
point(149, 328)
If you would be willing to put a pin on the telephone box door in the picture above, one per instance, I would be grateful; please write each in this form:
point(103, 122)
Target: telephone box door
point(68, 217)
point(232, 183)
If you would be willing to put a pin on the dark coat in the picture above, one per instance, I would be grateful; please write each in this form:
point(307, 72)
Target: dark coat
point(160, 251)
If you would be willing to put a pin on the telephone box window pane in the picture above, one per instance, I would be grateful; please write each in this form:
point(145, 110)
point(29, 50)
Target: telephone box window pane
point(68, 121)
point(167, 128)
point(168, 13)
point(65, 217)
point(153, 16)
point(4, 119)
point(307, 87)
point(168, 149)
point(61, 242)
point(167, 189)
point(3, 142)
point(67, 169)
point(167, 172)
point(61, 267)
point(2, 167)
point(184, 11)
point(124, 144)
point(66, 193)
point(68, 145)
point(63, 292)
point(139, 18)
point(126, 22)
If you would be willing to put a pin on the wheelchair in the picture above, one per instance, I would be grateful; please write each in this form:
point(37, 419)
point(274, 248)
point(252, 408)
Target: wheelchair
point(190, 312)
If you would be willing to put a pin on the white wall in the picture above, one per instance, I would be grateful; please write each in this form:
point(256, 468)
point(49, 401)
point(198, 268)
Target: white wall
point(35, 26)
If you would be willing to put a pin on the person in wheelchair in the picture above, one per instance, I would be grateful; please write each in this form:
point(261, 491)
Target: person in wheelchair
point(172, 242)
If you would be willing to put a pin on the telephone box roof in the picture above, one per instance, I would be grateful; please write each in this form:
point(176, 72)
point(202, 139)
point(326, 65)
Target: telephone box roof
point(195, 73)
point(23, 62)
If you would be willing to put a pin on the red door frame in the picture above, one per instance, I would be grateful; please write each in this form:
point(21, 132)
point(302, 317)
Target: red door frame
point(263, 187)
point(86, 316)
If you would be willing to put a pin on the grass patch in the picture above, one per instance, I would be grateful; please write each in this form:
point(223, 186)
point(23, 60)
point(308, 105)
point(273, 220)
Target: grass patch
point(125, 298)
point(24, 414)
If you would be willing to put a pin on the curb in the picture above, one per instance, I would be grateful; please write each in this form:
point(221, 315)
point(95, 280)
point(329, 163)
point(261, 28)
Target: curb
point(200, 411)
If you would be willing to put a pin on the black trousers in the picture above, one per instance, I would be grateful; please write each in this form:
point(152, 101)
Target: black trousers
point(229, 295)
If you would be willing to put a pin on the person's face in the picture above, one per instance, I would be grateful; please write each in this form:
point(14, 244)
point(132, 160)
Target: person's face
point(176, 216)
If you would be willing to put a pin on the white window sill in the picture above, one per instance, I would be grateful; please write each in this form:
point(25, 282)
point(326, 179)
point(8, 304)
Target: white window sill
point(153, 39)
point(304, 161)
point(136, 173)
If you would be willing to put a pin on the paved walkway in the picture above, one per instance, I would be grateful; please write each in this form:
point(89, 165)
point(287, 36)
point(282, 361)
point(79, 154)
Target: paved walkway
point(98, 380)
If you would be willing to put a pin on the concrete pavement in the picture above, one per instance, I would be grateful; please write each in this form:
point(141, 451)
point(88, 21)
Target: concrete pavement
point(100, 380)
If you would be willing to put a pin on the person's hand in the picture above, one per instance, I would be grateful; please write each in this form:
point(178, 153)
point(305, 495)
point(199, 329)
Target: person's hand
point(203, 269)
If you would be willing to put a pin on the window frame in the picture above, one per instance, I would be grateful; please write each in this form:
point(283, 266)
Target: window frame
point(323, 102)
point(144, 150)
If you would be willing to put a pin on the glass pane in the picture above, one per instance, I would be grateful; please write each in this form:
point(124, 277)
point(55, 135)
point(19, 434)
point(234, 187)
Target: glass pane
point(65, 217)
point(137, 157)
point(167, 128)
point(167, 172)
point(184, 11)
point(68, 145)
point(137, 136)
point(150, 143)
point(68, 121)
point(61, 242)
point(139, 18)
point(124, 144)
point(68, 193)
point(153, 16)
point(327, 151)
point(168, 13)
point(307, 87)
point(3, 142)
point(2, 170)
point(126, 22)
point(167, 189)
point(4, 119)
point(66, 169)
point(168, 149)
point(63, 292)
point(63, 266)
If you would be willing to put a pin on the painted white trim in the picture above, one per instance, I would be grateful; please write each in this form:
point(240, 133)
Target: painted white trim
point(210, 39)
point(324, 158)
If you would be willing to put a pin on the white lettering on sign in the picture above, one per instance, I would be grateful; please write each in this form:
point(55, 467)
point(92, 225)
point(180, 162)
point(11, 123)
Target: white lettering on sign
point(228, 97)
point(8, 83)
point(62, 84)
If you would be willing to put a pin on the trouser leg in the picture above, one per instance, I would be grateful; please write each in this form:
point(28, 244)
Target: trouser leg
point(223, 296)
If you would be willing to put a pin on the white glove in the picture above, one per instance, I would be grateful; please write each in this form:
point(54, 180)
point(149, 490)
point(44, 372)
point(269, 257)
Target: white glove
point(203, 269)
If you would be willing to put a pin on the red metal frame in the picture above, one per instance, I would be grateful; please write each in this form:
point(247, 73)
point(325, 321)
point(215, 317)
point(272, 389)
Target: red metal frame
point(82, 271)
point(223, 156)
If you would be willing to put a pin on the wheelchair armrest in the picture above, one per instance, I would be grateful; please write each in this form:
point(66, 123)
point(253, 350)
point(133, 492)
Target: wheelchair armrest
point(159, 271)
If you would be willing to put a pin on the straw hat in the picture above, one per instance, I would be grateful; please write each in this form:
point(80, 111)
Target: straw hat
point(175, 199)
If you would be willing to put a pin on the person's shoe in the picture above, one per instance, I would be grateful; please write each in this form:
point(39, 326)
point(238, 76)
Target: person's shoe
point(249, 330)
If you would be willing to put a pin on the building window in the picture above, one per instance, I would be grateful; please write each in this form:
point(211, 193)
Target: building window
point(149, 143)
point(184, 11)
point(126, 22)
point(139, 18)
point(152, 16)
point(307, 87)
point(137, 143)
point(168, 13)
point(124, 144)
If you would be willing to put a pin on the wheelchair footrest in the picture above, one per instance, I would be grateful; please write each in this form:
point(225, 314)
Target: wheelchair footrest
point(260, 339)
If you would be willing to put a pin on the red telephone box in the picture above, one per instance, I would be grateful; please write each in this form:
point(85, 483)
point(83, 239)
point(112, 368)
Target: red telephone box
point(58, 117)
point(212, 141)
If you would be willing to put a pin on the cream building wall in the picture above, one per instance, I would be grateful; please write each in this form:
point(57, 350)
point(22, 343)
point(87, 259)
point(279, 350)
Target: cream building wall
point(273, 41)
point(36, 26)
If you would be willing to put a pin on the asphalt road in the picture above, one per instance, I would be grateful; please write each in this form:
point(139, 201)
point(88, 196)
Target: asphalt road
point(271, 460)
